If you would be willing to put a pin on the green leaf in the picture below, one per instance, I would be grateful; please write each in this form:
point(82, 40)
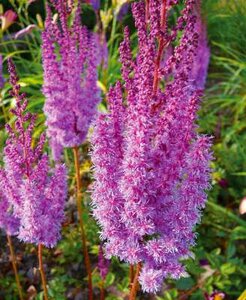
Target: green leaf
point(109, 279)
point(230, 250)
point(185, 283)
point(227, 269)
point(239, 233)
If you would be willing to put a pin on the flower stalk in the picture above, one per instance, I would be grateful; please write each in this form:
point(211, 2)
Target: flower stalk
point(131, 275)
point(161, 45)
point(135, 284)
point(41, 269)
point(14, 264)
point(81, 224)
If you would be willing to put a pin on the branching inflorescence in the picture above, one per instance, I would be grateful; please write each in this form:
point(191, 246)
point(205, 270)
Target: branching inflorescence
point(32, 192)
point(70, 77)
point(151, 167)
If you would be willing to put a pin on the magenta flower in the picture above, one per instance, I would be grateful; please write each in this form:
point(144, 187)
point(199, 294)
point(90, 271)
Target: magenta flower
point(70, 79)
point(103, 263)
point(36, 192)
point(7, 19)
point(8, 222)
point(151, 167)
point(216, 295)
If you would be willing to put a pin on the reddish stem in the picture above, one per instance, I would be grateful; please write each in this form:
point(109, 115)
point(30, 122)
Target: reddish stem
point(135, 284)
point(131, 275)
point(147, 10)
point(14, 264)
point(161, 45)
point(41, 269)
point(82, 230)
point(102, 292)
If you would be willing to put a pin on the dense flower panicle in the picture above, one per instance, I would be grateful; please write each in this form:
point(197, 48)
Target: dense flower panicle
point(36, 192)
point(43, 208)
point(151, 167)
point(70, 78)
point(8, 222)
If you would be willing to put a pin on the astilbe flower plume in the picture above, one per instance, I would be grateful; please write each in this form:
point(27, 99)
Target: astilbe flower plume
point(35, 191)
point(70, 77)
point(151, 167)
point(8, 222)
point(103, 263)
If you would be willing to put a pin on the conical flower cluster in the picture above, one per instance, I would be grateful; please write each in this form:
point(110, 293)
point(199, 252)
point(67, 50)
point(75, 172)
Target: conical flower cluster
point(70, 77)
point(32, 193)
point(151, 167)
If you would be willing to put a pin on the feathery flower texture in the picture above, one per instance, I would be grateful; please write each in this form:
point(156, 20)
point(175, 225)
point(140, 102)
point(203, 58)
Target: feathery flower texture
point(33, 194)
point(70, 78)
point(8, 222)
point(151, 166)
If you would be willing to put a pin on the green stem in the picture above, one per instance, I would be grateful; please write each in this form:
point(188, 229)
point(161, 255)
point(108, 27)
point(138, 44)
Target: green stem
point(226, 212)
point(81, 223)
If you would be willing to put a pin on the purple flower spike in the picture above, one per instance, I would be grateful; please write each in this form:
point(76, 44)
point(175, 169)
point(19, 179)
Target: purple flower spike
point(103, 263)
point(8, 222)
point(151, 167)
point(70, 79)
point(36, 192)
